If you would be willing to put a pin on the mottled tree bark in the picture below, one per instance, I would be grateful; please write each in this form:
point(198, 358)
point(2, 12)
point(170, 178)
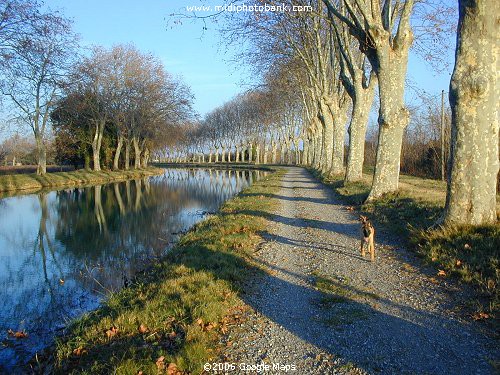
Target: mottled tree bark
point(137, 153)
point(393, 116)
point(361, 104)
point(127, 154)
point(327, 137)
point(339, 121)
point(274, 152)
point(282, 153)
point(474, 95)
point(41, 153)
point(116, 159)
point(250, 153)
point(257, 153)
point(96, 144)
point(223, 160)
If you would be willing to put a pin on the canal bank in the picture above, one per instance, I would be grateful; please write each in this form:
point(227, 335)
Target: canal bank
point(31, 183)
point(178, 308)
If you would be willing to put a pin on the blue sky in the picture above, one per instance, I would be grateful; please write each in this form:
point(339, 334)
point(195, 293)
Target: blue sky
point(202, 63)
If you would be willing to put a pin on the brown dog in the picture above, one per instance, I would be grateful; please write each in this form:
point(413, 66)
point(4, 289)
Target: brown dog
point(367, 236)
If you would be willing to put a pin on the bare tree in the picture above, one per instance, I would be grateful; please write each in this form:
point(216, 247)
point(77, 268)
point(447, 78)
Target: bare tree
point(33, 69)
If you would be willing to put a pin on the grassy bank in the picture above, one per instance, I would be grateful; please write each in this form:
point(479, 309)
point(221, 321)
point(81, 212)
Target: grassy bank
point(175, 312)
point(470, 253)
point(32, 182)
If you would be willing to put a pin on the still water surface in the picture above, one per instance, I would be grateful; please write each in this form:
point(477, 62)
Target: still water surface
point(62, 251)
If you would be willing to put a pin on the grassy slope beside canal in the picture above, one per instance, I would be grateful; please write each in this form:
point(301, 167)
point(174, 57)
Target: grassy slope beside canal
point(178, 308)
point(33, 182)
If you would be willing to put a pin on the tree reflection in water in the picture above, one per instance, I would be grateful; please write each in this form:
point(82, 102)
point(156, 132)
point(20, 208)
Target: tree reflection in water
point(62, 251)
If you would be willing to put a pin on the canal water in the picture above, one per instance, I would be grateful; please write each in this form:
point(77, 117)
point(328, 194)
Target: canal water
point(62, 252)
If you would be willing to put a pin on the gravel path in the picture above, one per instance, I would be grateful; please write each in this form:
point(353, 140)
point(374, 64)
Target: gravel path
point(388, 317)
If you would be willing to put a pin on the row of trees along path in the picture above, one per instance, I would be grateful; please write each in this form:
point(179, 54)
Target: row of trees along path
point(320, 69)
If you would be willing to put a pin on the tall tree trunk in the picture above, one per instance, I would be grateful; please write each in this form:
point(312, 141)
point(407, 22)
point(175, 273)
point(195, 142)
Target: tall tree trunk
point(243, 152)
point(362, 102)
point(237, 154)
point(145, 157)
point(229, 156)
point(274, 152)
point(223, 155)
point(41, 153)
point(250, 153)
point(265, 155)
point(282, 153)
point(338, 109)
point(96, 144)
point(116, 159)
point(127, 154)
point(319, 149)
point(137, 153)
point(210, 157)
point(289, 153)
point(391, 65)
point(474, 93)
point(257, 153)
point(327, 137)
point(216, 155)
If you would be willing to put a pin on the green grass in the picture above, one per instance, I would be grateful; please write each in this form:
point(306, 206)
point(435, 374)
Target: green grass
point(470, 253)
point(22, 183)
point(183, 304)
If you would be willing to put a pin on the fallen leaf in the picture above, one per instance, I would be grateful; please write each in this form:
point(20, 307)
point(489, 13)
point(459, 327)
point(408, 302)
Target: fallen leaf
point(199, 321)
point(172, 369)
point(480, 316)
point(17, 334)
point(434, 259)
point(142, 328)
point(441, 273)
point(79, 351)
point(467, 246)
point(349, 208)
point(209, 326)
point(491, 284)
point(160, 364)
point(140, 372)
point(61, 281)
point(433, 280)
point(113, 331)
point(172, 335)
point(458, 263)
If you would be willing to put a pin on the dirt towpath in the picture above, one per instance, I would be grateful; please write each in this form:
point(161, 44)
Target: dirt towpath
point(390, 317)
